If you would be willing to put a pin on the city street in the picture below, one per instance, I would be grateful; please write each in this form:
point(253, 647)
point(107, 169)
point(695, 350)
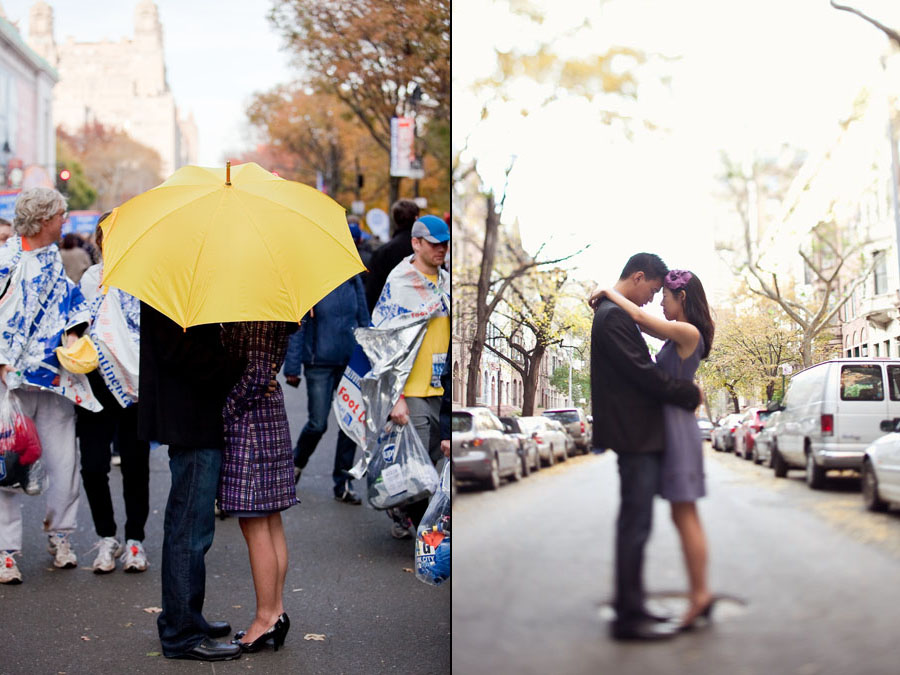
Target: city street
point(350, 585)
point(810, 577)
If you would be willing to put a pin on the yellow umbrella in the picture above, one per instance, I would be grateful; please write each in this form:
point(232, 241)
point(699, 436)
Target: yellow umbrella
point(216, 245)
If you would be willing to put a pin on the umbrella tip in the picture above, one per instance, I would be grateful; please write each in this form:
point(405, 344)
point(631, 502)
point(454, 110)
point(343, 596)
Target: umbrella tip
point(227, 173)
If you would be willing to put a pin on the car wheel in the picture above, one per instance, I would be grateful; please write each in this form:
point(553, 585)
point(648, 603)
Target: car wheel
point(552, 460)
point(778, 464)
point(493, 481)
point(565, 455)
point(815, 474)
point(517, 470)
point(870, 489)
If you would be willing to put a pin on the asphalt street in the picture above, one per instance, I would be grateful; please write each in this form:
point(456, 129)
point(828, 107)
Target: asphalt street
point(354, 603)
point(809, 579)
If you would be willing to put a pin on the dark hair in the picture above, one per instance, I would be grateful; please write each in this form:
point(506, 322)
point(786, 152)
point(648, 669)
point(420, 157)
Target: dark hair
point(404, 213)
point(649, 263)
point(71, 240)
point(98, 233)
point(696, 311)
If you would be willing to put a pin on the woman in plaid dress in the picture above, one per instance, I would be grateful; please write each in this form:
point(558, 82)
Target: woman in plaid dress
point(257, 479)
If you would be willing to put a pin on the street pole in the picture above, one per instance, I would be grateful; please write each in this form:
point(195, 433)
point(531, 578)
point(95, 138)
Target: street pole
point(570, 379)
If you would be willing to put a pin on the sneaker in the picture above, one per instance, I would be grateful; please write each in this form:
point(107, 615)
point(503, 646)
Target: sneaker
point(108, 549)
point(9, 571)
point(348, 496)
point(59, 547)
point(400, 532)
point(134, 558)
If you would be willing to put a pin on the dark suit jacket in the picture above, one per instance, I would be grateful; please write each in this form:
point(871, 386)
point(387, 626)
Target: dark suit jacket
point(184, 379)
point(627, 388)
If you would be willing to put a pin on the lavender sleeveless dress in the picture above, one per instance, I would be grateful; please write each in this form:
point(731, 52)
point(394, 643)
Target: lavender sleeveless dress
point(682, 477)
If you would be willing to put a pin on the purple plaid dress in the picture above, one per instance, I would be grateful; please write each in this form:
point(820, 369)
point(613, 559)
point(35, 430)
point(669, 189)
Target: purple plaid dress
point(257, 466)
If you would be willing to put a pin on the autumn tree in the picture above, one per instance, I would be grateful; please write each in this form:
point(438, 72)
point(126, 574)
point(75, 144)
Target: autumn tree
point(533, 307)
point(380, 59)
point(830, 254)
point(116, 164)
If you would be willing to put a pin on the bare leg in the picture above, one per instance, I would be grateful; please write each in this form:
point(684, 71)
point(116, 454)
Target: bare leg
point(276, 532)
point(693, 544)
point(264, 567)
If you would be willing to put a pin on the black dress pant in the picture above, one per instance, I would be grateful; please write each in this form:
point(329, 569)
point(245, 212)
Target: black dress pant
point(97, 433)
point(639, 475)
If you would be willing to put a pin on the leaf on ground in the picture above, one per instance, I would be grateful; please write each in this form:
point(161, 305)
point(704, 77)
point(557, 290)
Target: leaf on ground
point(153, 654)
point(296, 589)
point(408, 569)
point(85, 638)
point(129, 624)
point(314, 636)
point(235, 607)
point(153, 610)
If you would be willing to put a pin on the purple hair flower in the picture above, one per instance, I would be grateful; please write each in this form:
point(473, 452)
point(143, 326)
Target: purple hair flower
point(677, 279)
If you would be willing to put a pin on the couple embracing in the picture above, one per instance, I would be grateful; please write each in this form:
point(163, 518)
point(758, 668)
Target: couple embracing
point(645, 413)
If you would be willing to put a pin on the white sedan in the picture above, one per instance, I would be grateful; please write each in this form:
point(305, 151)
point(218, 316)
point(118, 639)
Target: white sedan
point(881, 470)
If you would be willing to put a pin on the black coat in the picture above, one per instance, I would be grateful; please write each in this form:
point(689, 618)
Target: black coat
point(184, 379)
point(627, 388)
point(385, 259)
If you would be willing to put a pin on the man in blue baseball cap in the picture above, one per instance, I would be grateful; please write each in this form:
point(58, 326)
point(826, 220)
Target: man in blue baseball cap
point(420, 402)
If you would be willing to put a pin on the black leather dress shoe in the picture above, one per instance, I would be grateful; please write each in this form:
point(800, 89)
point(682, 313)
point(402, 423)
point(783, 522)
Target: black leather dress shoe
point(210, 650)
point(218, 629)
point(643, 630)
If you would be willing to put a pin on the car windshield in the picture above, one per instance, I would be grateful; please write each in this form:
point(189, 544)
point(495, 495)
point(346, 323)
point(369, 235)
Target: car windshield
point(564, 416)
point(511, 423)
point(461, 422)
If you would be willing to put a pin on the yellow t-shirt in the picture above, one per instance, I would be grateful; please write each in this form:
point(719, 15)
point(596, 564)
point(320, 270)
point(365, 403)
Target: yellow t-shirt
point(429, 363)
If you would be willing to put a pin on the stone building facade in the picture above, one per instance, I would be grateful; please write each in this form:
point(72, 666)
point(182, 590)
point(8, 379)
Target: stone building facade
point(119, 84)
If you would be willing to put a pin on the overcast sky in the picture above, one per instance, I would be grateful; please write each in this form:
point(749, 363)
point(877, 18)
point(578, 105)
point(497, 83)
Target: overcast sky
point(218, 53)
point(749, 76)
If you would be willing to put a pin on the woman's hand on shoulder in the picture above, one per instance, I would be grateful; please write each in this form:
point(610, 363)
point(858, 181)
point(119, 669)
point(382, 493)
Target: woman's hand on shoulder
point(597, 296)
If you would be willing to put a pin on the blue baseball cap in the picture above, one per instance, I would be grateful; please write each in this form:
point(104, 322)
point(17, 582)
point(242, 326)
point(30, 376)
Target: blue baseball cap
point(431, 228)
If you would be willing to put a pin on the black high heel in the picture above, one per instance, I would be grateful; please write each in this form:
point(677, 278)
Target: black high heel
point(704, 615)
point(276, 633)
point(284, 618)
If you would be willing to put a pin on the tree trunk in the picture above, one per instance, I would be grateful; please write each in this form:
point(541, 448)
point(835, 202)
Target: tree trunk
point(491, 227)
point(530, 383)
point(806, 350)
point(770, 390)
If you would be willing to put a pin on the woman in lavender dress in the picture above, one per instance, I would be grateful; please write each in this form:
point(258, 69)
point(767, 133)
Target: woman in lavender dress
point(257, 479)
point(688, 331)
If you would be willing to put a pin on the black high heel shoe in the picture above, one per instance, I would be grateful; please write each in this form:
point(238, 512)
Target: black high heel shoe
point(284, 618)
point(703, 617)
point(276, 634)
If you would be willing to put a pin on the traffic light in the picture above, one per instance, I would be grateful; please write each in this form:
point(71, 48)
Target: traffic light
point(65, 175)
point(62, 180)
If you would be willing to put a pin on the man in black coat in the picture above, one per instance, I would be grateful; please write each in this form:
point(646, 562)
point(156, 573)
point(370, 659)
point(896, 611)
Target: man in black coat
point(628, 392)
point(184, 379)
point(385, 258)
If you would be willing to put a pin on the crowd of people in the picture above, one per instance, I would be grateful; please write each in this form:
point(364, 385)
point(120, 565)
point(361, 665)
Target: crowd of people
point(211, 394)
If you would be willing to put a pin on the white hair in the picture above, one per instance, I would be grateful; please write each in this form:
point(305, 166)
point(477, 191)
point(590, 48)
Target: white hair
point(35, 206)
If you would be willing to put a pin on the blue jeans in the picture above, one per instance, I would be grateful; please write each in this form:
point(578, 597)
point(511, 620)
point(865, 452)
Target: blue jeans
point(321, 381)
point(188, 530)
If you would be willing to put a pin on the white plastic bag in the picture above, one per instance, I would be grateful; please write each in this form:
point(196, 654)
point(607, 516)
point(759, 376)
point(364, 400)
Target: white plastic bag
point(400, 471)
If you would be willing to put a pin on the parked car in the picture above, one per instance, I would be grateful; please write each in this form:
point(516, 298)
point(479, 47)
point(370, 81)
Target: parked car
point(766, 440)
point(833, 411)
point(550, 438)
point(705, 427)
point(723, 434)
point(528, 448)
point(745, 435)
point(481, 452)
point(571, 448)
point(576, 423)
point(881, 469)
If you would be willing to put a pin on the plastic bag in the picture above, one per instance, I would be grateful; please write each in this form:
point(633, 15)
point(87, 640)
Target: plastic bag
point(20, 448)
point(400, 471)
point(433, 536)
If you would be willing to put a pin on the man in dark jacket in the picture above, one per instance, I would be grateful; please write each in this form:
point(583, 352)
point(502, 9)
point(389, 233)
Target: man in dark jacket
point(628, 393)
point(182, 388)
point(404, 213)
point(324, 345)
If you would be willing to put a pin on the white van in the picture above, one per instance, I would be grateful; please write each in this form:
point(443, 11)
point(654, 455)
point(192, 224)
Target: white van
point(832, 412)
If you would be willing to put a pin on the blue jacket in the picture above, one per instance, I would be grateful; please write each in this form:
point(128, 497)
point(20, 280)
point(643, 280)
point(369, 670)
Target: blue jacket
point(326, 339)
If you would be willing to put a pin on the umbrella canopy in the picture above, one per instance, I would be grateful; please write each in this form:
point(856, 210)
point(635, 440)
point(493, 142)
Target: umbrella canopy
point(217, 245)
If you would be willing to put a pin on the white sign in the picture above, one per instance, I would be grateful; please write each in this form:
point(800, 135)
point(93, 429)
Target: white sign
point(403, 148)
point(379, 224)
point(357, 207)
point(786, 369)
